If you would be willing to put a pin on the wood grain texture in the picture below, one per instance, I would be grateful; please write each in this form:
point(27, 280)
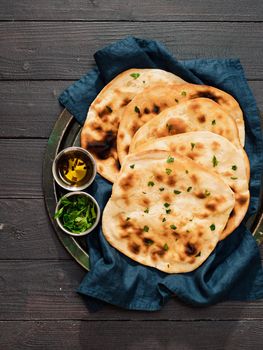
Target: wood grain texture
point(131, 335)
point(26, 232)
point(147, 10)
point(30, 108)
point(32, 50)
point(41, 290)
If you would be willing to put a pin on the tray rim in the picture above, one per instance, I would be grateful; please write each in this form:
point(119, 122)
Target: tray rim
point(71, 244)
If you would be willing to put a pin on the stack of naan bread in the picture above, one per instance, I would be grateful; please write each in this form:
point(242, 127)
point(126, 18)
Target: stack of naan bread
point(174, 152)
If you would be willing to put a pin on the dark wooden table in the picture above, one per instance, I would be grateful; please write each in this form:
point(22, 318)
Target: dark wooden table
point(44, 46)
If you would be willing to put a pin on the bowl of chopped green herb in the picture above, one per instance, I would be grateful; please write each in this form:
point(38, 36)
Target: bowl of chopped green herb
point(77, 213)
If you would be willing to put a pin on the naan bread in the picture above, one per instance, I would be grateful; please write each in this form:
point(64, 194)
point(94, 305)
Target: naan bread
point(157, 214)
point(219, 155)
point(193, 115)
point(154, 100)
point(99, 132)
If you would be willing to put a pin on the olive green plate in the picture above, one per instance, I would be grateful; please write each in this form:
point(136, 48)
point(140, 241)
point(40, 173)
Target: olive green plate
point(66, 133)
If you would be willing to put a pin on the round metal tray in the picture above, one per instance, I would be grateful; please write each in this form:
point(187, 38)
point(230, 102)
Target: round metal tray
point(66, 133)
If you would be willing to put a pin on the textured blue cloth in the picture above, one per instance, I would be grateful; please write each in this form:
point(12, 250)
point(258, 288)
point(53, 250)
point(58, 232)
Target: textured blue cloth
point(233, 271)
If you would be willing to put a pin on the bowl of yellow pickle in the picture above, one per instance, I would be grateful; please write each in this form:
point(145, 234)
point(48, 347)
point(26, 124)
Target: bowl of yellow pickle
point(74, 169)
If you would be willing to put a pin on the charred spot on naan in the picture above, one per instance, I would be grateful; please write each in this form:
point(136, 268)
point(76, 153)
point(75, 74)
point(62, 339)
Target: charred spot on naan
point(215, 146)
point(127, 181)
point(208, 94)
point(242, 199)
point(134, 247)
point(125, 102)
point(103, 148)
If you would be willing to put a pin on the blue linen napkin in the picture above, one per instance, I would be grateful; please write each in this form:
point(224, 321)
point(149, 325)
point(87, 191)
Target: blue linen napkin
point(233, 271)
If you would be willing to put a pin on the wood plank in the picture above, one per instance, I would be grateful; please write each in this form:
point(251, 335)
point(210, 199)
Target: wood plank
point(49, 50)
point(131, 335)
point(41, 290)
point(147, 10)
point(30, 108)
point(26, 233)
point(21, 168)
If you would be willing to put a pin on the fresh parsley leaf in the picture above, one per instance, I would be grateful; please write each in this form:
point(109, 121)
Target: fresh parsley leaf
point(168, 171)
point(150, 184)
point(173, 227)
point(146, 210)
point(166, 205)
point(170, 159)
point(212, 227)
point(163, 220)
point(168, 211)
point(207, 193)
point(214, 161)
point(214, 122)
point(189, 189)
point(183, 93)
point(177, 192)
point(135, 75)
point(234, 167)
point(161, 189)
point(132, 166)
point(165, 247)
point(137, 109)
point(148, 241)
point(128, 218)
point(234, 178)
point(146, 228)
point(192, 146)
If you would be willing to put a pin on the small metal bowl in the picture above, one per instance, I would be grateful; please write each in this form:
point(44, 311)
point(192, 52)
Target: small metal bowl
point(79, 193)
point(77, 151)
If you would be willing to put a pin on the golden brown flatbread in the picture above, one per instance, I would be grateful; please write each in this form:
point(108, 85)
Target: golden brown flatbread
point(159, 215)
point(99, 132)
point(153, 101)
point(217, 154)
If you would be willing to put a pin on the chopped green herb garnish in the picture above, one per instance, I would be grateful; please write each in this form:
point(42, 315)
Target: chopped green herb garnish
point(135, 75)
point(234, 178)
point(77, 213)
point(144, 192)
point(176, 100)
point(169, 127)
point(144, 81)
point(173, 227)
point(146, 228)
point(186, 171)
point(170, 159)
point(161, 189)
point(150, 184)
point(214, 161)
point(137, 109)
point(234, 167)
point(192, 146)
point(189, 189)
point(132, 166)
point(168, 171)
point(212, 227)
point(183, 93)
point(148, 241)
point(214, 122)
point(177, 192)
point(163, 220)
point(207, 193)
point(166, 205)
point(198, 254)
point(146, 210)
point(127, 219)
point(168, 211)
point(109, 109)
point(165, 247)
